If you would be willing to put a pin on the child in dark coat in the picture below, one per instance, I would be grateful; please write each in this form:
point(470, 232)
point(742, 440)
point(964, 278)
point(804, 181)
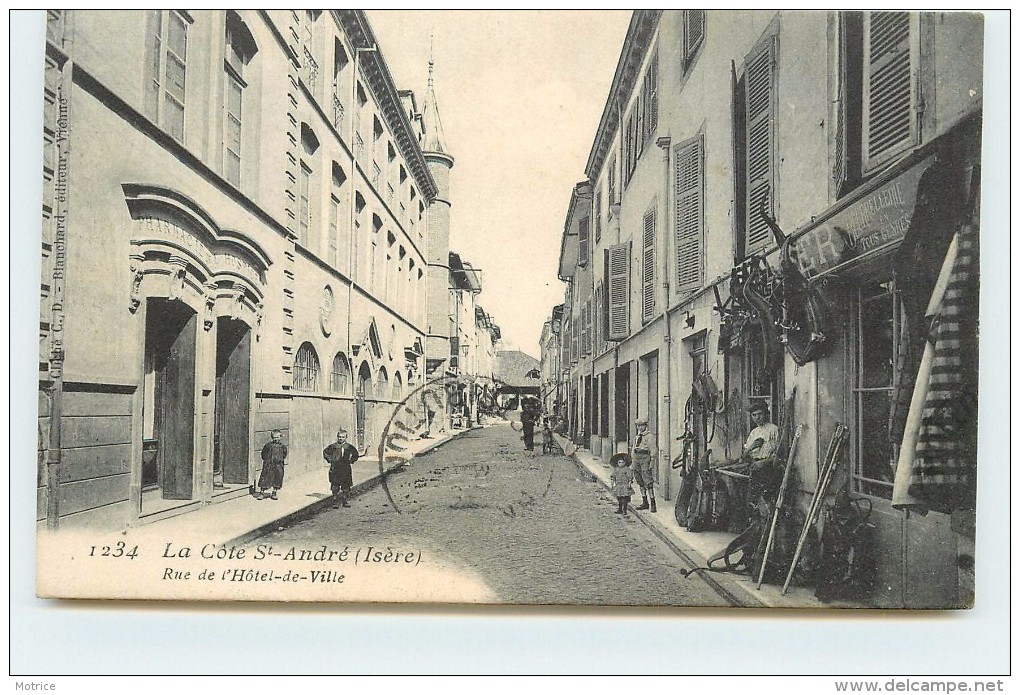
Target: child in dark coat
point(623, 481)
point(274, 456)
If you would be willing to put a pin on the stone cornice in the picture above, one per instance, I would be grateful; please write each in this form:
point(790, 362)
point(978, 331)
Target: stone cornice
point(355, 23)
point(635, 45)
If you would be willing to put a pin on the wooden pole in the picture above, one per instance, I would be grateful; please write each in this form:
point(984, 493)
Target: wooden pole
point(779, 503)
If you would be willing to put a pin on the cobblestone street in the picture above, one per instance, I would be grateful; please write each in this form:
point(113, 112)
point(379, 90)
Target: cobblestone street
point(499, 524)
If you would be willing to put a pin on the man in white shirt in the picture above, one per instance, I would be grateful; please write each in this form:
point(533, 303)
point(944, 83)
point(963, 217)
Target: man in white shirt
point(761, 444)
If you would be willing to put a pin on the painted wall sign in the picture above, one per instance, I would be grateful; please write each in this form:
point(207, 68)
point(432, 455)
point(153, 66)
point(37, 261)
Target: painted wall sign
point(878, 219)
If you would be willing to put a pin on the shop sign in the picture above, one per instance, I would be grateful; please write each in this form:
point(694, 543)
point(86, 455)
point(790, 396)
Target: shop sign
point(872, 223)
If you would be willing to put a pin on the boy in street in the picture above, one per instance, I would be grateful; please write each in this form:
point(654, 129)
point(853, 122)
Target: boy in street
point(340, 455)
point(274, 455)
point(644, 450)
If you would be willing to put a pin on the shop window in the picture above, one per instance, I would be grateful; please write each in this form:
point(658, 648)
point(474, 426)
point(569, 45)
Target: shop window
point(167, 70)
point(876, 106)
point(690, 213)
point(878, 326)
point(340, 376)
point(648, 266)
point(306, 369)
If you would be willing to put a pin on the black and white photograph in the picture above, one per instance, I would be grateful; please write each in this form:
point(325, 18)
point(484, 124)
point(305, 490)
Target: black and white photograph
point(651, 308)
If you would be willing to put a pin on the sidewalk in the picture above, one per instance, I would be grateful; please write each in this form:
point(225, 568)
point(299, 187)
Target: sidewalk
point(244, 518)
point(696, 548)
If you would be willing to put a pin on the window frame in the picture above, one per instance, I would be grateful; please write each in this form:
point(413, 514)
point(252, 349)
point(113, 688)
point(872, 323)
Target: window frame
point(338, 380)
point(306, 368)
point(157, 78)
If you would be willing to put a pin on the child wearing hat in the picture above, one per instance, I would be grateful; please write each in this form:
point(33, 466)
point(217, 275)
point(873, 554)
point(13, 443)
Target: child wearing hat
point(623, 481)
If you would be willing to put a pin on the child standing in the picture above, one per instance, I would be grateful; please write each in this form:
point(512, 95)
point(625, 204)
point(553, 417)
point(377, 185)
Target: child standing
point(623, 481)
point(547, 436)
point(274, 457)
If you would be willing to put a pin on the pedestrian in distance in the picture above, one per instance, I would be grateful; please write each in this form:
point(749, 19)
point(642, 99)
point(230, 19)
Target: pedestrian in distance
point(340, 455)
point(547, 435)
point(274, 458)
point(528, 416)
point(623, 482)
point(644, 454)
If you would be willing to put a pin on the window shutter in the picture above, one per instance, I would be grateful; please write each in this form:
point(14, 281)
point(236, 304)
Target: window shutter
point(618, 271)
point(582, 237)
point(588, 327)
point(889, 86)
point(653, 101)
point(839, 165)
point(648, 267)
point(760, 113)
point(690, 196)
point(600, 320)
point(695, 26)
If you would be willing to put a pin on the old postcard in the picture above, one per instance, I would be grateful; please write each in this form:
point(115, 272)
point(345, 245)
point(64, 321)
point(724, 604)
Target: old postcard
point(652, 308)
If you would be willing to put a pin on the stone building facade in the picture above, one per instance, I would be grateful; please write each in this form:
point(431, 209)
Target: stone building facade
point(238, 236)
point(857, 137)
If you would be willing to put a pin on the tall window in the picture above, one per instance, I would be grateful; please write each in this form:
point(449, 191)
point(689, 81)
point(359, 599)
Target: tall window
point(648, 266)
point(760, 136)
point(617, 268)
point(650, 101)
point(583, 242)
point(876, 105)
point(598, 214)
point(340, 62)
point(340, 376)
point(306, 369)
point(338, 241)
point(694, 35)
point(240, 47)
point(878, 327)
point(690, 213)
point(165, 85)
point(611, 182)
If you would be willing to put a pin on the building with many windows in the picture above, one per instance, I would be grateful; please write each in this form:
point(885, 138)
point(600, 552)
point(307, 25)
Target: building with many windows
point(238, 237)
point(770, 200)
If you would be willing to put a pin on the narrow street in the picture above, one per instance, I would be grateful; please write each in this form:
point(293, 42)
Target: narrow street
point(497, 524)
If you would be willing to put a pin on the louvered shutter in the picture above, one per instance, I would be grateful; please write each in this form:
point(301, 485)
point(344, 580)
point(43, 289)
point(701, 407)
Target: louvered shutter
point(648, 267)
point(567, 337)
point(695, 26)
point(839, 164)
point(588, 328)
point(600, 319)
point(889, 85)
point(582, 238)
point(760, 112)
point(618, 272)
point(653, 99)
point(690, 196)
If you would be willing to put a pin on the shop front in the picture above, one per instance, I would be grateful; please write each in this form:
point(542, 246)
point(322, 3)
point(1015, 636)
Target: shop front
point(878, 259)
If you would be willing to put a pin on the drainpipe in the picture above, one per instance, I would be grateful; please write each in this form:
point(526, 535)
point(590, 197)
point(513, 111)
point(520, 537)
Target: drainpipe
point(667, 337)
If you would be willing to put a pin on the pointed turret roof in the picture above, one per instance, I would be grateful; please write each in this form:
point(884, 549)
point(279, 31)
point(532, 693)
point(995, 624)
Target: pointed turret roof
point(435, 138)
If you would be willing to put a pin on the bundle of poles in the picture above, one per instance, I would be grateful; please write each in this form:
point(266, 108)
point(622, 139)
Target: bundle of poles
point(829, 464)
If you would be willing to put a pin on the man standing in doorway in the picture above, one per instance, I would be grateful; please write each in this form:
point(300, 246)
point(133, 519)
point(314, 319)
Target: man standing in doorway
point(644, 450)
point(340, 455)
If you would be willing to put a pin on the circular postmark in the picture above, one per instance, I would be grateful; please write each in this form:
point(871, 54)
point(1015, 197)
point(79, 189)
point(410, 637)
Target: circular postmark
point(425, 407)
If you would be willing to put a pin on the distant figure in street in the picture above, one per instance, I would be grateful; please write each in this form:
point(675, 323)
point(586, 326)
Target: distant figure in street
point(340, 455)
point(644, 454)
point(623, 481)
point(274, 456)
point(528, 416)
point(547, 436)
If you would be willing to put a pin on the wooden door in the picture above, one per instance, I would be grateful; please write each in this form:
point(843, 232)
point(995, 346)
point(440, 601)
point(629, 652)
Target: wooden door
point(176, 405)
point(233, 366)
